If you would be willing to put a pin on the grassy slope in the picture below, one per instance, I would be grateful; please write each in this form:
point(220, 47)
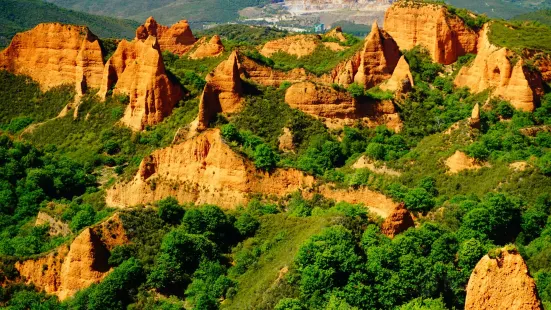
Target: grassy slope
point(20, 15)
point(520, 35)
point(165, 11)
point(501, 8)
point(542, 16)
point(282, 236)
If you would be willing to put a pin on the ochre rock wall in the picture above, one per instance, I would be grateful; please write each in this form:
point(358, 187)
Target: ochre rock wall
point(55, 54)
point(136, 70)
point(502, 283)
point(177, 39)
point(430, 25)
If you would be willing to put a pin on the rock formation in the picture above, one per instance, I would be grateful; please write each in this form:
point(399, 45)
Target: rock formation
point(336, 33)
point(267, 76)
point(378, 58)
point(474, 121)
point(57, 227)
point(286, 141)
point(502, 283)
point(299, 46)
point(432, 26)
point(136, 70)
point(202, 170)
point(401, 80)
point(339, 108)
point(212, 48)
point(493, 69)
point(222, 93)
point(177, 39)
point(55, 54)
point(460, 161)
point(344, 73)
point(76, 267)
point(397, 222)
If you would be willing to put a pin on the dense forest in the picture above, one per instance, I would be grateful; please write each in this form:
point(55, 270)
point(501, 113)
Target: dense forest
point(301, 250)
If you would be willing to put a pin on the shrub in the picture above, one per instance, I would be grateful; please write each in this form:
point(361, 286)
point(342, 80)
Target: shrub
point(264, 157)
point(418, 199)
point(356, 90)
point(170, 211)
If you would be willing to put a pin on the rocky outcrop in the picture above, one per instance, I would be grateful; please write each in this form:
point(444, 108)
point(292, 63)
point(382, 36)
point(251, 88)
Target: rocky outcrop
point(378, 58)
point(286, 141)
point(202, 170)
point(222, 93)
point(344, 73)
point(57, 227)
point(206, 49)
point(85, 264)
point(177, 39)
point(321, 100)
point(376, 202)
point(397, 222)
point(136, 70)
point(502, 283)
point(336, 33)
point(366, 163)
point(339, 108)
point(299, 46)
point(432, 26)
point(401, 80)
point(268, 76)
point(493, 69)
point(76, 267)
point(55, 54)
point(474, 120)
point(460, 161)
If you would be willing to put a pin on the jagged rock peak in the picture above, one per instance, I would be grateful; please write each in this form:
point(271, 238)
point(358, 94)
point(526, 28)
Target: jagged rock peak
point(398, 221)
point(336, 33)
point(378, 58)
point(136, 70)
point(54, 54)
point(177, 39)
point(222, 93)
point(492, 69)
point(401, 80)
point(212, 48)
point(432, 26)
point(502, 282)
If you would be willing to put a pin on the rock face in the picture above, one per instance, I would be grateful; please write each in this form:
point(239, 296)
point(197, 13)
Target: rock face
point(460, 161)
point(430, 25)
point(222, 93)
point(212, 48)
point(378, 58)
point(76, 267)
point(286, 141)
point(202, 170)
point(55, 54)
point(401, 80)
point(474, 121)
point(177, 39)
point(397, 222)
point(492, 69)
point(339, 108)
point(336, 33)
point(502, 283)
point(299, 46)
point(136, 70)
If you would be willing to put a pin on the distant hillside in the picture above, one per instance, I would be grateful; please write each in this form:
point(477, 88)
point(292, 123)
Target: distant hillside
point(501, 8)
point(21, 15)
point(165, 11)
point(542, 16)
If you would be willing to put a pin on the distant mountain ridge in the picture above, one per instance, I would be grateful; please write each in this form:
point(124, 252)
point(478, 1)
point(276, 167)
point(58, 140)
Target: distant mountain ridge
point(20, 15)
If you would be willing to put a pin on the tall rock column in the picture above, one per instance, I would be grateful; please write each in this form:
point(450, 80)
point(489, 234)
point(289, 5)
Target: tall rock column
point(136, 70)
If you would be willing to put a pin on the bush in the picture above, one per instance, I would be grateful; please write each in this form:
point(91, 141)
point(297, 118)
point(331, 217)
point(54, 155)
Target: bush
point(264, 157)
point(170, 211)
point(246, 224)
point(418, 199)
point(544, 164)
point(356, 90)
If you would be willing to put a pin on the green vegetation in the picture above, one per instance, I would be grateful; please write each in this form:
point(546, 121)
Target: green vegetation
point(22, 102)
point(244, 34)
point(519, 35)
point(168, 11)
point(542, 17)
point(20, 15)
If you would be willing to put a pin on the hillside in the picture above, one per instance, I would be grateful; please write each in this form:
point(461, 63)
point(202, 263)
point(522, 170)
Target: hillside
point(20, 15)
point(167, 11)
point(541, 16)
point(501, 8)
point(244, 167)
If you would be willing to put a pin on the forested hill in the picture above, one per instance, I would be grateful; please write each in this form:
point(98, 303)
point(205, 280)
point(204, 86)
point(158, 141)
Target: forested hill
point(20, 15)
point(166, 11)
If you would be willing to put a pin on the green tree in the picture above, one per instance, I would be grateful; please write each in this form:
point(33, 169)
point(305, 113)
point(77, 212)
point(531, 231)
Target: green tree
point(418, 199)
point(264, 157)
point(170, 211)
